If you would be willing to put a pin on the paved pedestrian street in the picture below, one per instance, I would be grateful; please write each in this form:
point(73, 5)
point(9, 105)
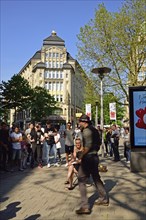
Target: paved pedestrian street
point(40, 194)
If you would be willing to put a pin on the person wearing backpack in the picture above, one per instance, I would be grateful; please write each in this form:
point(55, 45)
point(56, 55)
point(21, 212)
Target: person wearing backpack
point(89, 166)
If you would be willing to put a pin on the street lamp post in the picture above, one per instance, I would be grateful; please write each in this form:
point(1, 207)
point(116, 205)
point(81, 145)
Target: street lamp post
point(101, 71)
point(96, 115)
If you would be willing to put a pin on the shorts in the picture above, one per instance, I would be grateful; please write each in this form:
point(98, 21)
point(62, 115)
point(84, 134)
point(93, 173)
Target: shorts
point(69, 149)
point(16, 153)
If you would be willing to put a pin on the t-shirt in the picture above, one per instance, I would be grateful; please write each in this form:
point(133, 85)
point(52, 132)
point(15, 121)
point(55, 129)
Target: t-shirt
point(39, 134)
point(115, 134)
point(57, 138)
point(87, 138)
point(69, 137)
point(16, 145)
point(33, 135)
point(50, 140)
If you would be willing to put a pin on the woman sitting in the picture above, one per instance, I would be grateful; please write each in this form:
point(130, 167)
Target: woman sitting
point(74, 164)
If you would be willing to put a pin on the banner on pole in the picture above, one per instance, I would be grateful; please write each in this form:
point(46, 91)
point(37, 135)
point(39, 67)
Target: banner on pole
point(88, 110)
point(112, 110)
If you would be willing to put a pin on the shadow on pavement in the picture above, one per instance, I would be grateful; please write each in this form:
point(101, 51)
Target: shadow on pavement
point(33, 217)
point(10, 211)
point(109, 185)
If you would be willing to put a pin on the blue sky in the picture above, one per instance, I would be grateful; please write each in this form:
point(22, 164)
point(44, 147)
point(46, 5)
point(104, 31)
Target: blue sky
point(25, 24)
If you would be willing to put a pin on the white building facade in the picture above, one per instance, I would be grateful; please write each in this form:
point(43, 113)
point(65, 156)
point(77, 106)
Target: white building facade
point(53, 68)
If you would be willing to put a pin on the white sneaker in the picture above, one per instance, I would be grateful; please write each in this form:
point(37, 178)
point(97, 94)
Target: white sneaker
point(66, 165)
point(56, 165)
point(128, 161)
point(48, 165)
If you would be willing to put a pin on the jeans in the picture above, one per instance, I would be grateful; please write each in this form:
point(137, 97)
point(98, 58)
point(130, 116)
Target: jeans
point(128, 154)
point(16, 153)
point(36, 154)
point(47, 150)
point(115, 148)
point(110, 149)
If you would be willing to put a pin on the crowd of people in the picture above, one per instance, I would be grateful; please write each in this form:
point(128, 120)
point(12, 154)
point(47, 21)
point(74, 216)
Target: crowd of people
point(111, 142)
point(34, 145)
point(30, 147)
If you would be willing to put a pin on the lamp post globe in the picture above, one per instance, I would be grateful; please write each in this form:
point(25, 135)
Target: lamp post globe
point(101, 71)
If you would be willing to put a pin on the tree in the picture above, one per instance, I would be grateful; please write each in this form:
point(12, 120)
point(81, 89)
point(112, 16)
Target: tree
point(42, 104)
point(116, 40)
point(15, 94)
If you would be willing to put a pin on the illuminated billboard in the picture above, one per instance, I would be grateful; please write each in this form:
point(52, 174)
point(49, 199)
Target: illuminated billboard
point(137, 114)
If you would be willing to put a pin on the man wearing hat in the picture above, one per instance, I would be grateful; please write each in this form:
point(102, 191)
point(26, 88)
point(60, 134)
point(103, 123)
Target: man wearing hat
point(89, 166)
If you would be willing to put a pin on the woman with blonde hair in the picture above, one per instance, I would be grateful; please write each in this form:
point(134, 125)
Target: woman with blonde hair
point(74, 164)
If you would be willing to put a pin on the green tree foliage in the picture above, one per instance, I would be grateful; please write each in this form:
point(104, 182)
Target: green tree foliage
point(116, 40)
point(42, 104)
point(15, 93)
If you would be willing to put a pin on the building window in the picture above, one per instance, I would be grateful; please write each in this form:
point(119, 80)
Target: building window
point(57, 86)
point(53, 64)
point(46, 85)
point(45, 75)
point(47, 64)
point(50, 76)
point(50, 64)
point(53, 86)
point(57, 64)
point(47, 55)
point(61, 64)
point(41, 74)
point(53, 74)
point(61, 98)
point(61, 86)
point(57, 98)
point(50, 86)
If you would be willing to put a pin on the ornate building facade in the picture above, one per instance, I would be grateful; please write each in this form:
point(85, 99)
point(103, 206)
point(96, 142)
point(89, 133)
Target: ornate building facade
point(53, 68)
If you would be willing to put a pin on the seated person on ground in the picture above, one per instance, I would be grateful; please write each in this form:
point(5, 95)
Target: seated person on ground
point(74, 164)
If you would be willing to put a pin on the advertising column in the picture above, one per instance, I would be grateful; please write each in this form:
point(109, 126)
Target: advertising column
point(137, 107)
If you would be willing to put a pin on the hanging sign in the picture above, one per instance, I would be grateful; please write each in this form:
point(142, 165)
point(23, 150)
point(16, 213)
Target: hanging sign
point(112, 111)
point(88, 110)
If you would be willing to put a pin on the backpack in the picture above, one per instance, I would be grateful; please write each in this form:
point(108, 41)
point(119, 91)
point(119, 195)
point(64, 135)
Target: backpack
point(96, 139)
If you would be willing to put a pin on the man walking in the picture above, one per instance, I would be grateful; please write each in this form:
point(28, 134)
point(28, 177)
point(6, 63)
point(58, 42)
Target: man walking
point(89, 166)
